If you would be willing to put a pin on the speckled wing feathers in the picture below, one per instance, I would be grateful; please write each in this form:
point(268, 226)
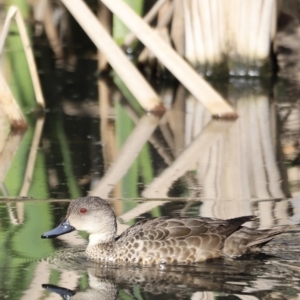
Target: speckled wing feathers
point(180, 240)
point(166, 228)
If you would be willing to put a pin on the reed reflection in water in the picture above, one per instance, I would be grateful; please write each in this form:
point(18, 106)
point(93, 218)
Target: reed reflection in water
point(234, 168)
point(212, 159)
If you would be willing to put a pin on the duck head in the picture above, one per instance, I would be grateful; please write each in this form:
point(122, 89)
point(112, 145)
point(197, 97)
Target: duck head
point(91, 214)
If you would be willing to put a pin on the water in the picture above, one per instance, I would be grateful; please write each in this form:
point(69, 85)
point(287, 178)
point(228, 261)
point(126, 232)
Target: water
point(31, 266)
point(182, 163)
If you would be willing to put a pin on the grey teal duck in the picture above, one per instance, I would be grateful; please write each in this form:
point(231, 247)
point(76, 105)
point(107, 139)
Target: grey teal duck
point(164, 240)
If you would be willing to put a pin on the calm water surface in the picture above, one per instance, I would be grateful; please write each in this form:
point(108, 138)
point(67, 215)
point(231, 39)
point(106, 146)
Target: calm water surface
point(34, 268)
point(182, 163)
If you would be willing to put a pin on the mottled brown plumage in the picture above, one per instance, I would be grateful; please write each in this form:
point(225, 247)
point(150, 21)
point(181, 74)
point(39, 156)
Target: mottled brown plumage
point(164, 240)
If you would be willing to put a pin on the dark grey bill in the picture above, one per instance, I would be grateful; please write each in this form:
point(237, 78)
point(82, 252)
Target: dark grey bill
point(65, 293)
point(62, 228)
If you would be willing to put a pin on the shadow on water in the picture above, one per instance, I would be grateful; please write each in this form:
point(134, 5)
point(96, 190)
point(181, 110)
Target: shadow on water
point(181, 163)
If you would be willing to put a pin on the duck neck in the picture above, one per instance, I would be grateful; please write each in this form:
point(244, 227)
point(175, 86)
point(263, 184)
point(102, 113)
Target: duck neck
point(99, 238)
point(100, 248)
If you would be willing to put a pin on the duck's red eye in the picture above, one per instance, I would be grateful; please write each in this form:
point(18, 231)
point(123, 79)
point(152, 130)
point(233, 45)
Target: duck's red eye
point(83, 210)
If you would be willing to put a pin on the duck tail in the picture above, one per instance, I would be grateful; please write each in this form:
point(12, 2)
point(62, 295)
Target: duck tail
point(267, 235)
point(249, 240)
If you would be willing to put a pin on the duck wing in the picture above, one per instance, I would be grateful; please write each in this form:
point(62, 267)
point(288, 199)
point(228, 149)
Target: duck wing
point(176, 240)
point(165, 228)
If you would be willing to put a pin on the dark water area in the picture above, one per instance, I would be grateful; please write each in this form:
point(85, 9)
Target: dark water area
point(183, 163)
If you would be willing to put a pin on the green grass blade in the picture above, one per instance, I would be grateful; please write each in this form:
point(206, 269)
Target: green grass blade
point(119, 29)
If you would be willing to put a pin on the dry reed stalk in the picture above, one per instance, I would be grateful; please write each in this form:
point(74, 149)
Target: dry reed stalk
point(216, 34)
point(205, 17)
point(251, 28)
point(144, 56)
point(275, 12)
point(265, 29)
point(164, 34)
point(222, 24)
point(177, 28)
point(254, 24)
point(13, 12)
point(197, 33)
point(10, 106)
point(167, 134)
point(43, 14)
point(114, 55)
point(230, 31)
point(242, 29)
point(104, 17)
point(190, 54)
point(163, 19)
point(129, 39)
point(176, 119)
point(165, 14)
point(107, 128)
point(52, 33)
point(164, 126)
point(5, 28)
point(38, 9)
point(175, 64)
point(32, 157)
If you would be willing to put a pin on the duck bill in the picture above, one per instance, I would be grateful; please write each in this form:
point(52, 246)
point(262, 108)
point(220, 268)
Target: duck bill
point(62, 228)
point(65, 293)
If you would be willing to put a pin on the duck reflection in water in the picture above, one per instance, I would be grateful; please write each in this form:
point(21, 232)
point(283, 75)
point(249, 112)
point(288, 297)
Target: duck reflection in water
point(100, 288)
point(176, 282)
point(164, 240)
point(171, 282)
point(104, 283)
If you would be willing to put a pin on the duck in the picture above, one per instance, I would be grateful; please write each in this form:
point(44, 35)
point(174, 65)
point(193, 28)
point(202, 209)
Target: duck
point(162, 240)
